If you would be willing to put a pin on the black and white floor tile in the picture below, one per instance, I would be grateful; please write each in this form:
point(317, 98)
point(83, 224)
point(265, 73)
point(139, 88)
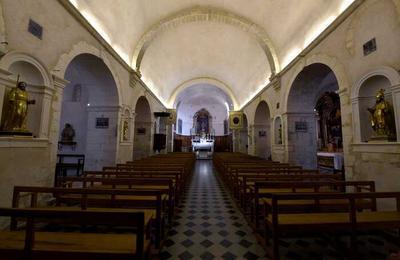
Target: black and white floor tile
point(208, 225)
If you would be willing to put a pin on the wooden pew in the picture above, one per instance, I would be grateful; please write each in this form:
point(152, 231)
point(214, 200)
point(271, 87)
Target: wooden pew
point(352, 220)
point(246, 183)
point(33, 244)
point(178, 185)
point(261, 191)
point(164, 185)
point(147, 201)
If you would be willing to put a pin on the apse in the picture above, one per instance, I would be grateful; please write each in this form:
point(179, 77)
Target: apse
point(202, 107)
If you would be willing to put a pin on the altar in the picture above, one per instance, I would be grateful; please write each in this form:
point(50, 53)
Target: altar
point(330, 160)
point(203, 146)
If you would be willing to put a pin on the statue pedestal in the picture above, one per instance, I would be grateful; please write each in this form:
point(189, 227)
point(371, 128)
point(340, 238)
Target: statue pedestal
point(15, 133)
point(379, 138)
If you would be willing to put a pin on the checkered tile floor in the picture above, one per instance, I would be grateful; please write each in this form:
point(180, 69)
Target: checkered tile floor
point(208, 224)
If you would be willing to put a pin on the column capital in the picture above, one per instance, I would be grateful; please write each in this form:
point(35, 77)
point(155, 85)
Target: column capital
point(275, 81)
point(59, 83)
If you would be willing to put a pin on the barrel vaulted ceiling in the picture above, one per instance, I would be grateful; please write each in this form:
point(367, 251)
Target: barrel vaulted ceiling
point(239, 43)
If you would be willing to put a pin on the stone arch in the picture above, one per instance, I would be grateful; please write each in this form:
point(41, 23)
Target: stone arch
point(12, 57)
point(332, 62)
point(358, 100)
point(207, 80)
point(390, 73)
point(40, 88)
point(93, 110)
point(308, 116)
point(142, 128)
point(201, 13)
point(262, 130)
point(85, 48)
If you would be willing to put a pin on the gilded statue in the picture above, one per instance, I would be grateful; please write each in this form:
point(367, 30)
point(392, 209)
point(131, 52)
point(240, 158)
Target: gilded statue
point(16, 109)
point(382, 118)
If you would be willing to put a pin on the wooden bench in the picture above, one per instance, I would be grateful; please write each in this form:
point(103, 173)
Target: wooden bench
point(147, 201)
point(146, 177)
point(246, 182)
point(278, 223)
point(33, 244)
point(164, 185)
point(261, 191)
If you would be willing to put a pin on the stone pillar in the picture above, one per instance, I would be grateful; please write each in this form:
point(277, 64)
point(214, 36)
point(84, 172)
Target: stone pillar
point(252, 148)
point(48, 94)
point(55, 116)
point(152, 132)
point(396, 107)
point(170, 138)
point(349, 110)
point(235, 140)
point(4, 82)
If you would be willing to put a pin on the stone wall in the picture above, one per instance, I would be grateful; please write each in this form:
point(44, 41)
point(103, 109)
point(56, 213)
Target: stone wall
point(342, 51)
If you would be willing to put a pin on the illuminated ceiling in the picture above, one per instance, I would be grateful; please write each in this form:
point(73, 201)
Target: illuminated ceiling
point(237, 42)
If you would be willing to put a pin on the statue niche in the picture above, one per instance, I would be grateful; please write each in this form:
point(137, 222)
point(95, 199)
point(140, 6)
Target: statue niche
point(382, 119)
point(16, 111)
point(202, 122)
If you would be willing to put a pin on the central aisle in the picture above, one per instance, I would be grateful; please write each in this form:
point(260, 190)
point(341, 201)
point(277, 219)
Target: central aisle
point(208, 225)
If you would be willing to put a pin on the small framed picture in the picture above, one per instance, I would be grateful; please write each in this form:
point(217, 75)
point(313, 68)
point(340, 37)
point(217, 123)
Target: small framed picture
point(141, 131)
point(102, 122)
point(300, 126)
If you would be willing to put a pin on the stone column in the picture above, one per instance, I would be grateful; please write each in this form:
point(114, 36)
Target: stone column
point(251, 144)
point(170, 138)
point(152, 132)
point(4, 82)
point(48, 94)
point(235, 140)
point(396, 107)
point(55, 116)
point(349, 109)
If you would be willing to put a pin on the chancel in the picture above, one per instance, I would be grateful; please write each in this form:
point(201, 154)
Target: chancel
point(199, 129)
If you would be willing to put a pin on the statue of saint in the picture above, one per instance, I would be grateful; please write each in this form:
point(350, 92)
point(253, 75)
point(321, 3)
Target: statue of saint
point(16, 109)
point(280, 134)
point(67, 134)
point(382, 118)
point(125, 130)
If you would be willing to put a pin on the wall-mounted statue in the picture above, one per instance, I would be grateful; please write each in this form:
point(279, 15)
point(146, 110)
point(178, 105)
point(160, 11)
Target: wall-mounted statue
point(280, 140)
point(67, 134)
point(16, 111)
point(382, 118)
point(125, 130)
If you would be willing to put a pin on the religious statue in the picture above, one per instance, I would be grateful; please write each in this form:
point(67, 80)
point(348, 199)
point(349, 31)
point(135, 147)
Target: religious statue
point(67, 134)
point(382, 118)
point(280, 134)
point(125, 131)
point(16, 110)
